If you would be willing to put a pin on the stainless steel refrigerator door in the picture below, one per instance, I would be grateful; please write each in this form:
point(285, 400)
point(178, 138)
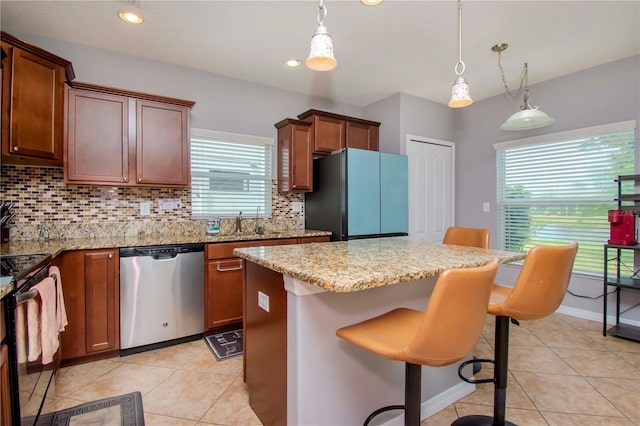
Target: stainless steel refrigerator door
point(394, 193)
point(161, 298)
point(363, 192)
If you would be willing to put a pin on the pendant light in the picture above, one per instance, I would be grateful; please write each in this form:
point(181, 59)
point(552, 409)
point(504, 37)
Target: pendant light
point(460, 93)
point(528, 117)
point(321, 53)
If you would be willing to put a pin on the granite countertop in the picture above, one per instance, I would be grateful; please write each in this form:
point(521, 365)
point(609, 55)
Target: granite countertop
point(346, 266)
point(55, 247)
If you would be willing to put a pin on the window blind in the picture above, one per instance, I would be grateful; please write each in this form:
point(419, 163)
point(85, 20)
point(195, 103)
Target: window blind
point(559, 191)
point(230, 173)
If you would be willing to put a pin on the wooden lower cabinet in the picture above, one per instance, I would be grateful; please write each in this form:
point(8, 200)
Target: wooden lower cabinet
point(92, 299)
point(224, 279)
point(265, 345)
point(5, 396)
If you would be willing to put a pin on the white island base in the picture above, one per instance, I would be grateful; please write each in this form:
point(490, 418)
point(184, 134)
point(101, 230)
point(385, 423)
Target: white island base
point(330, 382)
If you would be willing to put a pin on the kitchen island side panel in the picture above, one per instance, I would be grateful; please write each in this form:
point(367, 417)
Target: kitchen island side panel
point(265, 345)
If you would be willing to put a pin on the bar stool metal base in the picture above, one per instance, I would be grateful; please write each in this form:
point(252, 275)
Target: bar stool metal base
point(479, 421)
point(412, 391)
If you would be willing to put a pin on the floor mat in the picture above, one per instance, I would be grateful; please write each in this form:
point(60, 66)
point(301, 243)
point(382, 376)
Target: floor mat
point(225, 345)
point(125, 410)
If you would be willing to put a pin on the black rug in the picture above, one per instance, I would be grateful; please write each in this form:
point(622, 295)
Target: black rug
point(225, 345)
point(123, 410)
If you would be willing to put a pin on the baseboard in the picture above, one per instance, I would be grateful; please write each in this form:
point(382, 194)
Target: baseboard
point(594, 316)
point(439, 402)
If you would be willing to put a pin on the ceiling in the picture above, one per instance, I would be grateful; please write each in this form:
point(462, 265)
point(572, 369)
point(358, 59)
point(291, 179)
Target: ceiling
point(398, 46)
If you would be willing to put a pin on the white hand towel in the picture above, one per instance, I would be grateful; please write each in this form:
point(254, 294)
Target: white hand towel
point(21, 335)
point(33, 329)
point(61, 312)
point(48, 325)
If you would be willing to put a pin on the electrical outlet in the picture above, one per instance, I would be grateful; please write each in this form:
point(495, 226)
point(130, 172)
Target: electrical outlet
point(486, 207)
point(145, 208)
point(263, 301)
point(169, 204)
point(296, 206)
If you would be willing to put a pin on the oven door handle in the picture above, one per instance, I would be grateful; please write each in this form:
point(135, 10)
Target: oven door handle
point(27, 295)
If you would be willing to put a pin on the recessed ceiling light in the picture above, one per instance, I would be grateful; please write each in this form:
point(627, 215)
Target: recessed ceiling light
point(292, 63)
point(130, 17)
point(371, 2)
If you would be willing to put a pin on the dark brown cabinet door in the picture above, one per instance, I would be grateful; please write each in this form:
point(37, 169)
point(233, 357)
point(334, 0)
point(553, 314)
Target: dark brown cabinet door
point(328, 134)
point(102, 307)
point(226, 281)
point(162, 144)
point(362, 136)
point(91, 294)
point(33, 104)
point(72, 339)
point(5, 396)
point(97, 138)
point(295, 156)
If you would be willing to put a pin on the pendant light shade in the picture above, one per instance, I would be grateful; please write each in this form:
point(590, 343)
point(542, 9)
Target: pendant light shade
point(528, 117)
point(321, 53)
point(460, 92)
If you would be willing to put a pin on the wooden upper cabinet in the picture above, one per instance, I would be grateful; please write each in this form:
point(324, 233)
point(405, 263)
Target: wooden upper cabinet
point(33, 82)
point(118, 137)
point(162, 154)
point(331, 132)
point(362, 136)
point(295, 156)
point(97, 138)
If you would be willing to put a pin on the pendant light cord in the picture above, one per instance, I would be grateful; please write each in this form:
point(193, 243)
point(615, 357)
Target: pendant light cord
point(459, 68)
point(322, 12)
point(524, 80)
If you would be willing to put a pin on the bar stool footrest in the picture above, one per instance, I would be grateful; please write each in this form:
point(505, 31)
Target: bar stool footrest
point(382, 410)
point(474, 362)
point(476, 420)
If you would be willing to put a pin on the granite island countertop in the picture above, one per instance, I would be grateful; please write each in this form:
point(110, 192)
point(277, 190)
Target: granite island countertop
point(55, 247)
point(346, 266)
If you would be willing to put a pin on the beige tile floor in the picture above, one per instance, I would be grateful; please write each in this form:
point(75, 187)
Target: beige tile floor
point(562, 372)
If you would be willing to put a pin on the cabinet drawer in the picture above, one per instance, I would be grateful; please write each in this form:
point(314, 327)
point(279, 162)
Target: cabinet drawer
point(225, 250)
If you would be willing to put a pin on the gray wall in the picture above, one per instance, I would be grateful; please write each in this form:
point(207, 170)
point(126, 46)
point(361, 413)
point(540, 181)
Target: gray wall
point(403, 114)
point(604, 94)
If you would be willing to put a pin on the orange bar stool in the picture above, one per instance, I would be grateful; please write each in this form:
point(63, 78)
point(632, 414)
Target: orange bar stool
point(539, 290)
point(442, 335)
point(471, 237)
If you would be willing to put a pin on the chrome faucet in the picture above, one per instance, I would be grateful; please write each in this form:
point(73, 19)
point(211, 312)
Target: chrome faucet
point(258, 228)
point(239, 222)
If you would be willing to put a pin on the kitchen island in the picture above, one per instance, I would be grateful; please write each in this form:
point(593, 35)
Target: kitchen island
point(297, 371)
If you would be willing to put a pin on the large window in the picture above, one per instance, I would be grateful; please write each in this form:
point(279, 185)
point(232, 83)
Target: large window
point(557, 188)
point(230, 173)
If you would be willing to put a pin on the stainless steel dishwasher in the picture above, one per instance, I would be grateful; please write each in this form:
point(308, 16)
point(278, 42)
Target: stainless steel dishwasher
point(161, 295)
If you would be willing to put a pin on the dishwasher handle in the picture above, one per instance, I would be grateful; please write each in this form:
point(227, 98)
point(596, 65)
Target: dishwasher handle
point(164, 256)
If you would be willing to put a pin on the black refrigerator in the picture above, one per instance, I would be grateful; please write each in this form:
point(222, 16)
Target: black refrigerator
point(359, 194)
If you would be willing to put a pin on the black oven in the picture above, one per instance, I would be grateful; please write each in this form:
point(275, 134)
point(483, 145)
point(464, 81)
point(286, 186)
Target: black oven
point(29, 380)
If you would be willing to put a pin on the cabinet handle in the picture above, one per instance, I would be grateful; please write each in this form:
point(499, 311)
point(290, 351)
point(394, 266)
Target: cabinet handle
point(15, 148)
point(110, 255)
point(126, 179)
point(139, 180)
point(234, 268)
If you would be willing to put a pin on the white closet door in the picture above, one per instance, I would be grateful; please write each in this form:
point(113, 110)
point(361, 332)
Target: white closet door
point(431, 188)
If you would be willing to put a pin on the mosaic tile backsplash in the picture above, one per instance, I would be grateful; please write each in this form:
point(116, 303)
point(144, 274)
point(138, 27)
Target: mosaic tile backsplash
point(47, 208)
